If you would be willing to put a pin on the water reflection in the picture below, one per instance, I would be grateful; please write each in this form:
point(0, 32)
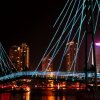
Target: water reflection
point(26, 96)
point(37, 95)
point(5, 96)
point(17, 96)
point(57, 98)
point(48, 98)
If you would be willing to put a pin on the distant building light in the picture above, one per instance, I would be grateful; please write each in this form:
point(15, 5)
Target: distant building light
point(97, 44)
point(18, 48)
point(15, 50)
point(71, 43)
point(18, 61)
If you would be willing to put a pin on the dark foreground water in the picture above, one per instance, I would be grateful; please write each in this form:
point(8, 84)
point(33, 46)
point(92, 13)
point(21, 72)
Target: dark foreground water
point(49, 95)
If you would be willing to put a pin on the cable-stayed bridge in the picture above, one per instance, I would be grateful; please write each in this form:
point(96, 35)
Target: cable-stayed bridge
point(77, 19)
point(63, 76)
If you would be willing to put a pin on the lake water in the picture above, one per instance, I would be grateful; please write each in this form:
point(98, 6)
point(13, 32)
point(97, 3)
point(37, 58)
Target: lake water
point(32, 96)
point(48, 95)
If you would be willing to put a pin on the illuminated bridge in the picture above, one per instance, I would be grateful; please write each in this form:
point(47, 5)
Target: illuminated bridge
point(49, 75)
point(77, 20)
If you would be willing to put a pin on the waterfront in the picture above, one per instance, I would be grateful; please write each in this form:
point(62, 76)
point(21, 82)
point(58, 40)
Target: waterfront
point(42, 62)
point(50, 91)
point(50, 94)
point(34, 96)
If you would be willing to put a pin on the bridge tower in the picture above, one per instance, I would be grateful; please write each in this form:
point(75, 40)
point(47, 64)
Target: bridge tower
point(90, 30)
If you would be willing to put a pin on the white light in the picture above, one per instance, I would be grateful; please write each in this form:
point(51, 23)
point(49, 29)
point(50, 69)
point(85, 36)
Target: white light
point(97, 44)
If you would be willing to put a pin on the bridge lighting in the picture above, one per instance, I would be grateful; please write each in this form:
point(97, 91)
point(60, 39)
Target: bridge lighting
point(73, 79)
point(97, 44)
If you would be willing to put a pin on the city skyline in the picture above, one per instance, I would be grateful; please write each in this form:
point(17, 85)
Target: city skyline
point(31, 23)
point(51, 46)
point(20, 56)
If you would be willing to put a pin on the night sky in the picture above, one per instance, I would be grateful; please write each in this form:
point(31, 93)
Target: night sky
point(30, 22)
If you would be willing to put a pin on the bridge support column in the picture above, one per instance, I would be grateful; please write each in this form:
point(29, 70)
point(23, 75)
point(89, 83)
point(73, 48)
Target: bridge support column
point(90, 3)
point(93, 46)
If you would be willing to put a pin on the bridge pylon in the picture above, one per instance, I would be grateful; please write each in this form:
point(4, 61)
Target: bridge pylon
point(90, 30)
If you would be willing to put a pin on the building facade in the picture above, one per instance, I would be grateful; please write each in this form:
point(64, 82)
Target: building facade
point(46, 63)
point(70, 56)
point(19, 56)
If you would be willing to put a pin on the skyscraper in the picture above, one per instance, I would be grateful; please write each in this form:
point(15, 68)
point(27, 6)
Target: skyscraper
point(14, 54)
point(46, 63)
point(70, 55)
point(24, 55)
point(19, 55)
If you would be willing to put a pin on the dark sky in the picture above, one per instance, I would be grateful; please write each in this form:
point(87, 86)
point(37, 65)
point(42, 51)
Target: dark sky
point(30, 22)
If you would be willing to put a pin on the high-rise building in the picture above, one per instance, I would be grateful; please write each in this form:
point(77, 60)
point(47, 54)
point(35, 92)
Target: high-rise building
point(70, 55)
point(14, 55)
point(25, 55)
point(97, 51)
point(46, 63)
point(19, 55)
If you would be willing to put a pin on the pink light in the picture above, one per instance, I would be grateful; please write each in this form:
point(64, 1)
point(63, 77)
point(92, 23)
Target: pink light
point(97, 44)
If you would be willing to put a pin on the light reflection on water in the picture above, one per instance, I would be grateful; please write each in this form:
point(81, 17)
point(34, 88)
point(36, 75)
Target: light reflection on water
point(5, 96)
point(26, 96)
point(32, 96)
point(53, 98)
